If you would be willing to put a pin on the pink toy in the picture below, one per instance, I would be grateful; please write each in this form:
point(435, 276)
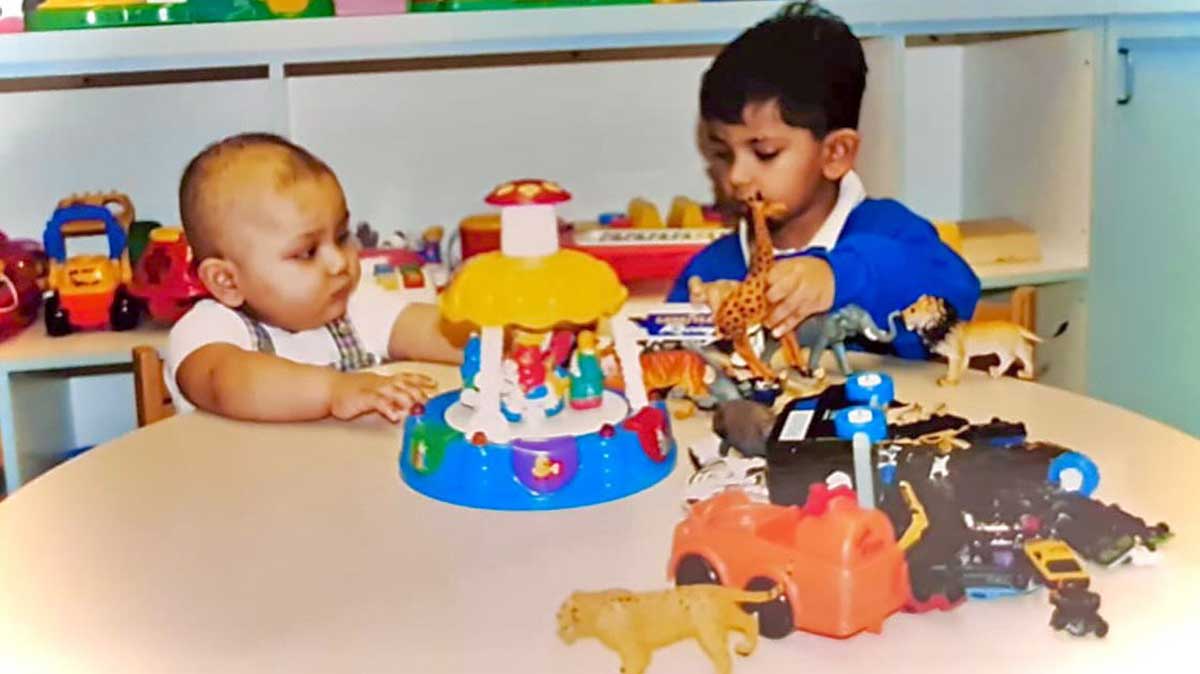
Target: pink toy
point(11, 18)
point(369, 7)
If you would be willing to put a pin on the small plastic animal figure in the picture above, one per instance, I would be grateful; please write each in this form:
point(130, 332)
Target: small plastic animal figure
point(745, 307)
point(743, 425)
point(709, 294)
point(682, 372)
point(938, 325)
point(635, 624)
point(831, 330)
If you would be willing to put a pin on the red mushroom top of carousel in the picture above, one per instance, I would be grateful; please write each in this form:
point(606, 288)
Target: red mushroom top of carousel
point(527, 191)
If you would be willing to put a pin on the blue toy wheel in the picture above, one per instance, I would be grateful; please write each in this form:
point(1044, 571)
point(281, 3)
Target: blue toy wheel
point(1088, 472)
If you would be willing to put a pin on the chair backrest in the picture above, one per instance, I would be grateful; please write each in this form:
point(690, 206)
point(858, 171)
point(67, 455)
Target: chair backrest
point(1019, 307)
point(149, 387)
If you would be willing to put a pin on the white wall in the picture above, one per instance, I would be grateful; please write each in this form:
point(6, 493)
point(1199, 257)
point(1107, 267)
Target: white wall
point(933, 108)
point(420, 148)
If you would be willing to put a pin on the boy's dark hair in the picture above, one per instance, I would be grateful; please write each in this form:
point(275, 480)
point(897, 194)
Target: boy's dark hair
point(804, 57)
point(195, 213)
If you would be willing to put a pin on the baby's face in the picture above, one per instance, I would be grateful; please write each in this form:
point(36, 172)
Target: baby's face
point(764, 155)
point(297, 265)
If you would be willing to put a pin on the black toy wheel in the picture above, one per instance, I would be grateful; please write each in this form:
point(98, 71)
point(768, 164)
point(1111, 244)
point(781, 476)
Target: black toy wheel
point(125, 311)
point(955, 591)
point(1101, 628)
point(774, 617)
point(58, 321)
point(924, 583)
point(1057, 621)
point(695, 570)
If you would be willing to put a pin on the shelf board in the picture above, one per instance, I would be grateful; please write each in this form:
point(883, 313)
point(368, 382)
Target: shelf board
point(34, 350)
point(400, 36)
point(1050, 269)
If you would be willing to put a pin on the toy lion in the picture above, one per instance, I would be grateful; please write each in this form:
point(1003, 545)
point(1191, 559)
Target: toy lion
point(938, 326)
point(635, 624)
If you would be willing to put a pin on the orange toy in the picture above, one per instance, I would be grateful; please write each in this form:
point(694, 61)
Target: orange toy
point(838, 564)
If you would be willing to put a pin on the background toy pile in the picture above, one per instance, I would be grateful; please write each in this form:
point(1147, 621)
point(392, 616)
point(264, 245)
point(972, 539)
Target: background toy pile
point(849, 506)
point(1002, 513)
point(141, 268)
point(99, 267)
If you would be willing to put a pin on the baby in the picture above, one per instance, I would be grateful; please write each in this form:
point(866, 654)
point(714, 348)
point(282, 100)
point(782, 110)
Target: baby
point(287, 332)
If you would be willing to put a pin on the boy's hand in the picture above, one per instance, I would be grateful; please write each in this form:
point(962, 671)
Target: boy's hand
point(797, 288)
point(357, 393)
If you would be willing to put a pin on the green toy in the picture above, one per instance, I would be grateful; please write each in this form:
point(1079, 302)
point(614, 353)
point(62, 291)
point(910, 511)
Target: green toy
point(66, 15)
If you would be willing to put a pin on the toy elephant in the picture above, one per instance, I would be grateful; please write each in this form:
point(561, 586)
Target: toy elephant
point(831, 330)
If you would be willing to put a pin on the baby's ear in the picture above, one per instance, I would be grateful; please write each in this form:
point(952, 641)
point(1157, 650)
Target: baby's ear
point(221, 280)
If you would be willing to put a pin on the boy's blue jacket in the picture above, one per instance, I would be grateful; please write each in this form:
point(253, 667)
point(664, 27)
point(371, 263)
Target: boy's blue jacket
point(885, 258)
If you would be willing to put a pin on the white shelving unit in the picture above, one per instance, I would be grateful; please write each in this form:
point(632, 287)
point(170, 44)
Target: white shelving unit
point(473, 33)
point(989, 127)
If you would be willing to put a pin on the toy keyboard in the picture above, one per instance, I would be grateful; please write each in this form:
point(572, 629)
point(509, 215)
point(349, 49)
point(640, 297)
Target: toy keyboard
point(697, 236)
point(641, 254)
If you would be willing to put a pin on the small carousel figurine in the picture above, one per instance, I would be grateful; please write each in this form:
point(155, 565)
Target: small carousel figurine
point(526, 431)
point(533, 376)
point(587, 377)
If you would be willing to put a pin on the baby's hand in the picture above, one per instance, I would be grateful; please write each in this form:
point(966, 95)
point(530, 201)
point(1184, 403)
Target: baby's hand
point(357, 393)
point(797, 288)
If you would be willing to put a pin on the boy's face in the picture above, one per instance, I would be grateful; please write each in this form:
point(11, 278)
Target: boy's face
point(294, 262)
point(765, 155)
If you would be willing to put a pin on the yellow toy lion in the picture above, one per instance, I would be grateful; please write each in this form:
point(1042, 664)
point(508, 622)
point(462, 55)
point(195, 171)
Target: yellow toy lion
point(939, 327)
point(635, 624)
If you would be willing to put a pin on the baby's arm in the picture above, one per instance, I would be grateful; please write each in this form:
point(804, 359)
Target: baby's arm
point(228, 380)
point(419, 333)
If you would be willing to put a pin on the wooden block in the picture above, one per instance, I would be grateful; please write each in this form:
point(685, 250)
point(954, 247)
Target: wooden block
point(996, 240)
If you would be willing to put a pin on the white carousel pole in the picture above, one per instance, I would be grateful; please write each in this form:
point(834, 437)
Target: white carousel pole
point(487, 416)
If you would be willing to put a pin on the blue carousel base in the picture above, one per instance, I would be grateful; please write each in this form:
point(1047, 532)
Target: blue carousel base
point(544, 474)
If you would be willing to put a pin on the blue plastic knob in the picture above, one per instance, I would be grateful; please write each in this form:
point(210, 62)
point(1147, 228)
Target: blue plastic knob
point(860, 419)
point(875, 389)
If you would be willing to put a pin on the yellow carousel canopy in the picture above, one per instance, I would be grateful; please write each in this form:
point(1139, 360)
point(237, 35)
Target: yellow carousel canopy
point(567, 286)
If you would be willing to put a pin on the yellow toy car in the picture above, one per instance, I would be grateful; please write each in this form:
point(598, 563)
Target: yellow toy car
point(1056, 562)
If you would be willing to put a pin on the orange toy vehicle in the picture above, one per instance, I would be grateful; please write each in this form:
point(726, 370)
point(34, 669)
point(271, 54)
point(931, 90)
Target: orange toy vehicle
point(840, 567)
point(88, 292)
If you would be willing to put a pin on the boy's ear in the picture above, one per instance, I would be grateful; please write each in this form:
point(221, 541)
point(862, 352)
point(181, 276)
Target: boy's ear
point(221, 279)
point(839, 152)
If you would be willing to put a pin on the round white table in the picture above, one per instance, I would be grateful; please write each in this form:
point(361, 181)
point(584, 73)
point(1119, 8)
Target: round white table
point(205, 545)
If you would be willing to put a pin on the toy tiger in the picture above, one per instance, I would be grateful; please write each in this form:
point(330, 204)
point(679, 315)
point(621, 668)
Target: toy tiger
point(680, 372)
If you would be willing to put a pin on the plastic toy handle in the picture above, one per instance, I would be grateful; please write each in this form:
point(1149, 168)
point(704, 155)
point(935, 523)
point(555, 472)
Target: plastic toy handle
point(863, 481)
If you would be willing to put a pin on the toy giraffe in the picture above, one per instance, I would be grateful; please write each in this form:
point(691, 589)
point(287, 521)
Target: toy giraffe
point(746, 305)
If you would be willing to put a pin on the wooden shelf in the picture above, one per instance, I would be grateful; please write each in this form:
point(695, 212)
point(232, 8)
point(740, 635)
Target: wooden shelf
point(400, 36)
point(34, 350)
point(1051, 269)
